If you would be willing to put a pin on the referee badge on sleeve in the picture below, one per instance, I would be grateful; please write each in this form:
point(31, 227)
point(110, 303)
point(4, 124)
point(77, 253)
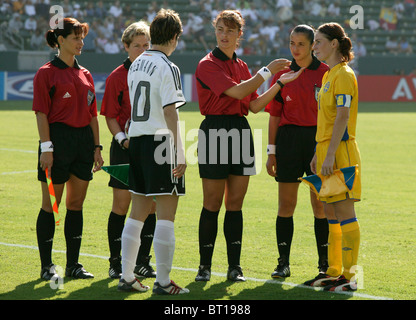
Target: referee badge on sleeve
point(316, 89)
point(90, 97)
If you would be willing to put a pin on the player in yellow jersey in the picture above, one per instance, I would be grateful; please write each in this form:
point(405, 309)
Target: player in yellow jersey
point(336, 148)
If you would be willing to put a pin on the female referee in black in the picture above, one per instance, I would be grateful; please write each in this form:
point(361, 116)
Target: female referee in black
point(292, 130)
point(226, 92)
point(66, 113)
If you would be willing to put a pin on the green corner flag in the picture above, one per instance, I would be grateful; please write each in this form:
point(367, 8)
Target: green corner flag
point(118, 171)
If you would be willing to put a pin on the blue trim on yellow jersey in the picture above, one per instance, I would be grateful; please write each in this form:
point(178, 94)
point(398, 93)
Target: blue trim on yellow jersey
point(343, 223)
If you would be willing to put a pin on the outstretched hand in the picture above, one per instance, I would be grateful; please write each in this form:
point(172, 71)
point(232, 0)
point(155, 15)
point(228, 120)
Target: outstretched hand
point(290, 76)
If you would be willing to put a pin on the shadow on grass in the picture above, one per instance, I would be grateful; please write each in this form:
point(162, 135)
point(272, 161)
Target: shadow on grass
point(272, 290)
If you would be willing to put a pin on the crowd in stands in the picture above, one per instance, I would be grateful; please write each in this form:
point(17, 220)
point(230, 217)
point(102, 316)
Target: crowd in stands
point(268, 23)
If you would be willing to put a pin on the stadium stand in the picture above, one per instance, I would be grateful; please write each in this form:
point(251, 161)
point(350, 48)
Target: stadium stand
point(387, 22)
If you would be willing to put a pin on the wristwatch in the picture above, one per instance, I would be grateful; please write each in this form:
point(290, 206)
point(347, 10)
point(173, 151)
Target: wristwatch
point(280, 84)
point(98, 146)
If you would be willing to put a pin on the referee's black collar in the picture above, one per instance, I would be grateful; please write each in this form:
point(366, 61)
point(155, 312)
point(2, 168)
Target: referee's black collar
point(127, 63)
point(57, 62)
point(217, 53)
point(313, 66)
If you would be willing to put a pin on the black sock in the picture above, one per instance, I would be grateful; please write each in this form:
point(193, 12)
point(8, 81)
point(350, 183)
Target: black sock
point(233, 232)
point(114, 231)
point(146, 237)
point(73, 235)
point(208, 228)
point(321, 235)
point(45, 230)
point(284, 235)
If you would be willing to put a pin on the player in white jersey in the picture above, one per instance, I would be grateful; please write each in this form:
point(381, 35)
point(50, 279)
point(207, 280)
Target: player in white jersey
point(157, 155)
point(154, 83)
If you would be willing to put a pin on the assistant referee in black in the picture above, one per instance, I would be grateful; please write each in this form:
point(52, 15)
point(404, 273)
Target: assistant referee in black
point(66, 113)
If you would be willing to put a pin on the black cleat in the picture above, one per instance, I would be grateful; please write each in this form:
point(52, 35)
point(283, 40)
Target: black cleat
point(115, 268)
point(144, 269)
point(48, 272)
point(321, 280)
point(77, 271)
point(282, 270)
point(235, 273)
point(204, 273)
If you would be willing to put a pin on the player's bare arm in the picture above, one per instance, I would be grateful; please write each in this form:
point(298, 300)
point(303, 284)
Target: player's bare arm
point(98, 159)
point(271, 158)
point(115, 128)
point(172, 120)
point(46, 158)
point(245, 88)
point(259, 103)
point(340, 124)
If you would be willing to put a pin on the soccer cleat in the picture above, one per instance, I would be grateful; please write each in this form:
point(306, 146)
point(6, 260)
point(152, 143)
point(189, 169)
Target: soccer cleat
point(321, 280)
point(341, 285)
point(77, 271)
point(204, 273)
point(115, 268)
point(135, 285)
point(282, 270)
point(48, 272)
point(144, 270)
point(323, 266)
point(171, 289)
point(235, 273)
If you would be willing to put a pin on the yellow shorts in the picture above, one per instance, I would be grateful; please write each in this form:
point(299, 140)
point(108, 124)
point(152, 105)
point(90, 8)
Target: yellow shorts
point(347, 155)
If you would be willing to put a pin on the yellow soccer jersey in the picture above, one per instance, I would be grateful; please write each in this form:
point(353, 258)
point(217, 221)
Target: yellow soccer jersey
point(339, 89)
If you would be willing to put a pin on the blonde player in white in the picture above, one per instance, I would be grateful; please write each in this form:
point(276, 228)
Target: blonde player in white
point(157, 156)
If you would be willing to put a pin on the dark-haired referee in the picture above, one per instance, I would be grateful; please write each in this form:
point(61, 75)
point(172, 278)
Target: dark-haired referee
point(66, 114)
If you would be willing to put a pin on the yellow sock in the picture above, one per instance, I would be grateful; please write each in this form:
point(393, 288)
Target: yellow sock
point(334, 249)
point(350, 246)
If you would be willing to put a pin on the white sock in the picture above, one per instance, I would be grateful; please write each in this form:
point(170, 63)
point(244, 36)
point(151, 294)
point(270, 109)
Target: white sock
point(130, 244)
point(164, 247)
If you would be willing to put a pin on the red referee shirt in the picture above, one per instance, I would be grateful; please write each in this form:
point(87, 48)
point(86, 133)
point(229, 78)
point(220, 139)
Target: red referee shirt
point(215, 74)
point(296, 103)
point(116, 100)
point(64, 94)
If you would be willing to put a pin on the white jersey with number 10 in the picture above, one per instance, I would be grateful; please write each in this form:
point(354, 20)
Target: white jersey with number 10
point(154, 83)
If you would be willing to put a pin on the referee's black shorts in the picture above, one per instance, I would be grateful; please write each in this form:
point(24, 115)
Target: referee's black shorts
point(295, 148)
point(73, 153)
point(118, 156)
point(225, 146)
point(151, 163)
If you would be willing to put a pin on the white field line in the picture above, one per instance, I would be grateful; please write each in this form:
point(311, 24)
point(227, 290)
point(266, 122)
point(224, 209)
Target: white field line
point(18, 150)
point(290, 284)
point(18, 172)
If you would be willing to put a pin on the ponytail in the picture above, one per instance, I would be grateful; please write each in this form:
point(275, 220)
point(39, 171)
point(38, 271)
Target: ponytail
point(345, 47)
point(51, 39)
point(70, 25)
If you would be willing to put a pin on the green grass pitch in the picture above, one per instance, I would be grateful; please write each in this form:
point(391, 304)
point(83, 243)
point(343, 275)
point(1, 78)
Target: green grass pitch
point(386, 137)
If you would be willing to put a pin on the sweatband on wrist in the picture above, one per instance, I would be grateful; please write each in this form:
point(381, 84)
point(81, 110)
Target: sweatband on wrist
point(265, 73)
point(120, 137)
point(46, 146)
point(271, 149)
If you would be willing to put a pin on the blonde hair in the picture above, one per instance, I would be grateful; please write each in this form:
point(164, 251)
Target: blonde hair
point(135, 29)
